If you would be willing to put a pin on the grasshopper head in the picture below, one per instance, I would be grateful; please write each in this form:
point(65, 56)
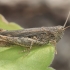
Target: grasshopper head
point(58, 32)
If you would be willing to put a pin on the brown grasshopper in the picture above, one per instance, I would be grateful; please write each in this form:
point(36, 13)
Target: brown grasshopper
point(29, 37)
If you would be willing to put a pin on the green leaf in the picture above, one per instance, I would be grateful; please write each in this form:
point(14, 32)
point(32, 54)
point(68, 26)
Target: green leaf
point(15, 57)
point(39, 58)
point(8, 25)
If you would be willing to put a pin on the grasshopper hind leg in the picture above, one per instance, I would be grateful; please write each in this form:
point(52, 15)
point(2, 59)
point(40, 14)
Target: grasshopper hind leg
point(27, 43)
point(22, 41)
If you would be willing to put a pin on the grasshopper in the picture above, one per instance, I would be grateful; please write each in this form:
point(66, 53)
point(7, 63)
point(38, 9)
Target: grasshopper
point(29, 37)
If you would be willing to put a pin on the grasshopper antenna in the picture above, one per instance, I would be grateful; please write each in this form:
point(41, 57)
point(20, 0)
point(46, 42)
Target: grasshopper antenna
point(66, 20)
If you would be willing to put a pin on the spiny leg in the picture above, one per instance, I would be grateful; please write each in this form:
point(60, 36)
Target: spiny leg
point(22, 41)
point(17, 41)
